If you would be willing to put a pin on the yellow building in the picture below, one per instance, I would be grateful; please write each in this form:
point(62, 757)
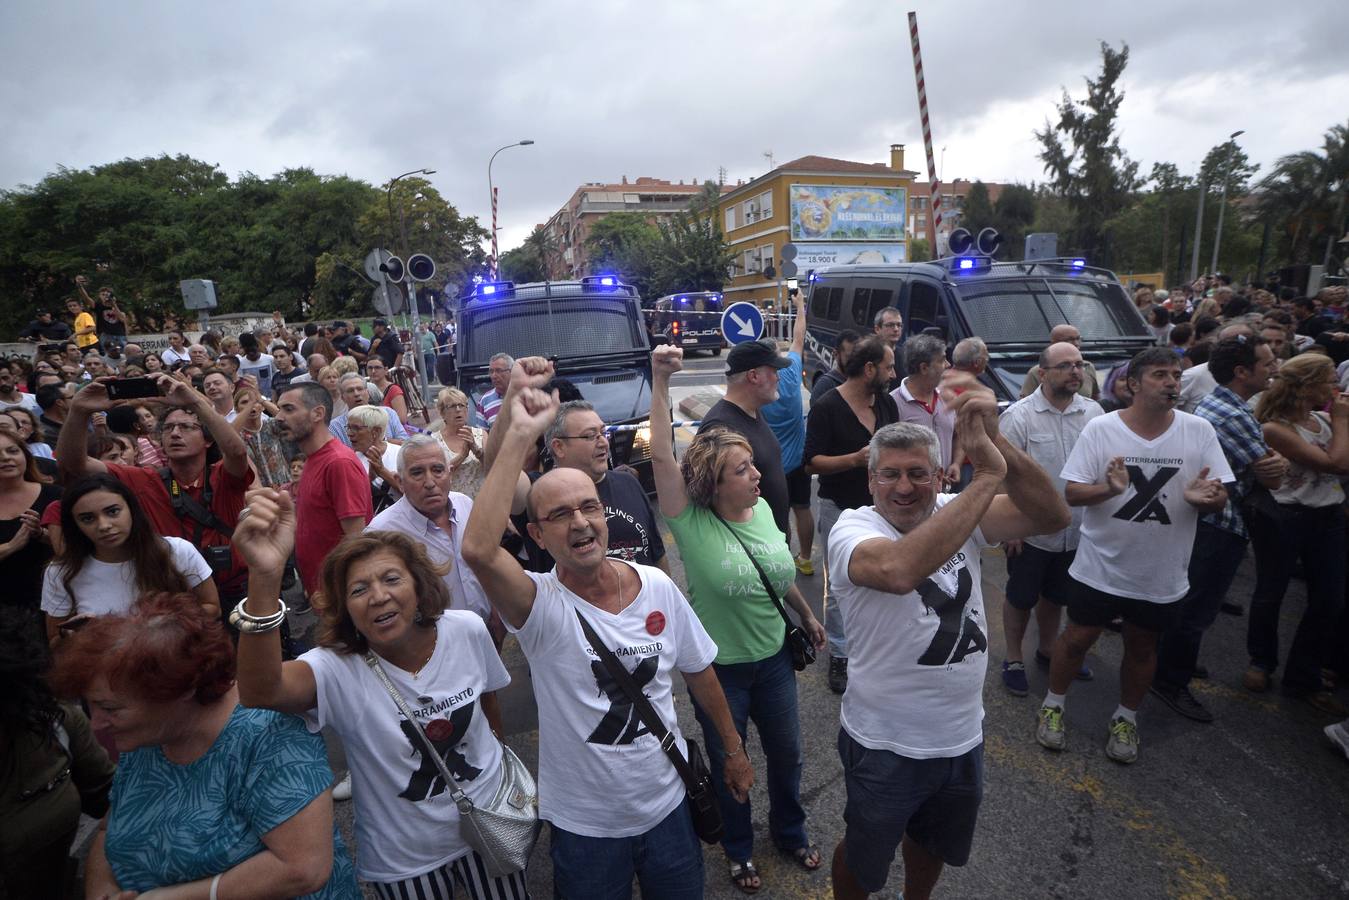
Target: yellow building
point(834, 211)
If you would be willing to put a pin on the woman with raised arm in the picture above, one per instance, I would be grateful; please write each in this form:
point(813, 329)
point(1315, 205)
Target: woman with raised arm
point(383, 603)
point(740, 570)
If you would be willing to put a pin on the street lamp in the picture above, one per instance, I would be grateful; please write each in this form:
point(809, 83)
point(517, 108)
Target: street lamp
point(1222, 200)
point(492, 197)
point(422, 377)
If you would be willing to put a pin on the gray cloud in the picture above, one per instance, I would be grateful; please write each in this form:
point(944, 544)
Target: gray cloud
point(626, 88)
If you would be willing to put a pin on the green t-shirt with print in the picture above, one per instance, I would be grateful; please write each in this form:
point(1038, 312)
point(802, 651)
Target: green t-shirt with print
point(724, 587)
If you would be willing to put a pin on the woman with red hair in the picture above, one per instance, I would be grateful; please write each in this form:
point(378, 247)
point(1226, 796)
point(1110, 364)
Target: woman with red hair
point(210, 797)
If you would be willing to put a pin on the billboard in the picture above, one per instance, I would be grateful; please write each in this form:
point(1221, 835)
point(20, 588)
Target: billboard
point(835, 213)
point(817, 256)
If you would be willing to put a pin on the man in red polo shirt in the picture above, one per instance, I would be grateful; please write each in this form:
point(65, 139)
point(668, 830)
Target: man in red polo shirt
point(187, 427)
point(333, 499)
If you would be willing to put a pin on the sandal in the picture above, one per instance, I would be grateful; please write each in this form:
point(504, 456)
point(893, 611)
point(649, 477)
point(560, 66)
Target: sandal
point(807, 857)
point(743, 876)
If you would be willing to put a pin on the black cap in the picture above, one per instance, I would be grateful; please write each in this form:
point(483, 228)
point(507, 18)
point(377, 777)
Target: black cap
point(379, 323)
point(752, 354)
point(338, 324)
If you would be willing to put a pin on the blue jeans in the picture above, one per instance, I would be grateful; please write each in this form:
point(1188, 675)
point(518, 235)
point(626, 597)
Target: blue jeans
point(1213, 565)
point(764, 691)
point(833, 617)
point(667, 860)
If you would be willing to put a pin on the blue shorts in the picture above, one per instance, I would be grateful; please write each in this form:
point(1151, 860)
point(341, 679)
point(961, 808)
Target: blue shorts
point(934, 801)
point(1034, 573)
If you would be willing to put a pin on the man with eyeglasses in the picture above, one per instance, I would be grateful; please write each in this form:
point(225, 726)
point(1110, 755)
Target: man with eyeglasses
point(499, 372)
point(1046, 425)
point(907, 574)
point(1091, 381)
point(576, 439)
point(615, 803)
point(188, 499)
point(888, 325)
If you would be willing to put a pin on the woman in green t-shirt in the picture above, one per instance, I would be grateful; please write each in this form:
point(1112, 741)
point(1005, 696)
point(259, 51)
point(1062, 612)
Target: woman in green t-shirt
point(713, 506)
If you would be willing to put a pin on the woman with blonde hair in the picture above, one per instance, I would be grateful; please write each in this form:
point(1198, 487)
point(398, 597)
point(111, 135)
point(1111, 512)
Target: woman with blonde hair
point(383, 603)
point(741, 575)
point(1300, 519)
point(463, 444)
point(1207, 308)
point(329, 377)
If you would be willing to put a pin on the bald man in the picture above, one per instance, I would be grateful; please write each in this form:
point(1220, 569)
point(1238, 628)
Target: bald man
point(1065, 334)
point(594, 746)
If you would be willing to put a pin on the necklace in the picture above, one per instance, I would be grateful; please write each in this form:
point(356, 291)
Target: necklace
point(430, 653)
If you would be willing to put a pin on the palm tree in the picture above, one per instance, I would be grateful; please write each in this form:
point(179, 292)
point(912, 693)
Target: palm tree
point(1307, 192)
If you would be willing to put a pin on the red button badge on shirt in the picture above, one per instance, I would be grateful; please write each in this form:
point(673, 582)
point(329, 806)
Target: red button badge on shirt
point(439, 730)
point(655, 623)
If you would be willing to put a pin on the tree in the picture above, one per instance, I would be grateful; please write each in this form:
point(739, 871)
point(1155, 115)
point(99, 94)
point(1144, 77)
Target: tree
point(977, 212)
point(523, 264)
point(692, 254)
point(919, 251)
point(1090, 170)
point(1305, 194)
point(1012, 216)
point(624, 243)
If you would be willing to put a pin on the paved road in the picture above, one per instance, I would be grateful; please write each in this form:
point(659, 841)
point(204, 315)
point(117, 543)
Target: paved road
point(1255, 805)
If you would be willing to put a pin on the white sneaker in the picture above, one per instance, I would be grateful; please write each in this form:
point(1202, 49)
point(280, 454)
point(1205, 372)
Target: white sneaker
point(1339, 735)
point(342, 790)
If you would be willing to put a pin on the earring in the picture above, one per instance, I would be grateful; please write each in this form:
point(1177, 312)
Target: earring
point(418, 618)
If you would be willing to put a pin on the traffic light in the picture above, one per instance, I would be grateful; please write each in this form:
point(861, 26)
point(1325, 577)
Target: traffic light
point(421, 267)
point(392, 269)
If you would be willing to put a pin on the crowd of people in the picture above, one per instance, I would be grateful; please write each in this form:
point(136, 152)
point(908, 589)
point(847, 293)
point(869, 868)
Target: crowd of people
point(158, 546)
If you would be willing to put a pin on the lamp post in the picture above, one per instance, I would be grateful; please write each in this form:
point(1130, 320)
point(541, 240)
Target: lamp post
point(492, 196)
point(421, 377)
point(1222, 199)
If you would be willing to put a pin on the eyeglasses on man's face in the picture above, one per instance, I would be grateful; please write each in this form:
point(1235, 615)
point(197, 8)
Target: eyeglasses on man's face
point(593, 437)
point(887, 477)
point(591, 509)
point(1070, 367)
point(185, 427)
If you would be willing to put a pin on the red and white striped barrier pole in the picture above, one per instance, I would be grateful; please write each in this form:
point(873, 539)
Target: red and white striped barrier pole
point(493, 267)
point(934, 217)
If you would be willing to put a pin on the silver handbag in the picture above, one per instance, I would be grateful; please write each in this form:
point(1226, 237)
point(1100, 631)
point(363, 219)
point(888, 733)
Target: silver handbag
point(503, 830)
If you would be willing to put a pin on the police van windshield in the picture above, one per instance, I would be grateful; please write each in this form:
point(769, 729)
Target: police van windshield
point(694, 303)
point(1022, 311)
point(565, 327)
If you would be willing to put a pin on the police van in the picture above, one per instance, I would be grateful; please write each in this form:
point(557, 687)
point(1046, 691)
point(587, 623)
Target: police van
point(1011, 305)
point(690, 320)
point(593, 331)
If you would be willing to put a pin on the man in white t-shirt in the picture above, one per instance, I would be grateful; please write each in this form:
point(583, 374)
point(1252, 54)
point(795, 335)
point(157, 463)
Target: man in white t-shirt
point(615, 802)
point(1143, 473)
point(906, 575)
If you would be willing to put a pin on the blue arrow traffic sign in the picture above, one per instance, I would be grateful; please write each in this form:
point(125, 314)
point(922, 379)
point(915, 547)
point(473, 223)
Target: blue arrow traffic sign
point(741, 322)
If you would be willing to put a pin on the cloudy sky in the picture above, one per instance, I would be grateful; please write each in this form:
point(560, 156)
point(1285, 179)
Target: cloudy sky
point(609, 88)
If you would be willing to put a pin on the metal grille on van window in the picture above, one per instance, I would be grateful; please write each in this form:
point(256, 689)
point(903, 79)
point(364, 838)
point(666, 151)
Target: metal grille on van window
point(614, 379)
point(577, 327)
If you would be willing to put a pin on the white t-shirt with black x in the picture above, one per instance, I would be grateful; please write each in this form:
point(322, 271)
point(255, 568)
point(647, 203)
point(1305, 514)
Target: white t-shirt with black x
point(916, 661)
point(1138, 544)
point(406, 821)
point(601, 772)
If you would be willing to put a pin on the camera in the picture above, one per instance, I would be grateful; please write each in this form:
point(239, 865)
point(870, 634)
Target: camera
point(219, 558)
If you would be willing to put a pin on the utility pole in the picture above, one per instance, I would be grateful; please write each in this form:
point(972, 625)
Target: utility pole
point(1222, 201)
point(1198, 232)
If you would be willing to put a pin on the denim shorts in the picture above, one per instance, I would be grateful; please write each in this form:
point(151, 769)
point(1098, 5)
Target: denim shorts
point(1034, 573)
point(934, 801)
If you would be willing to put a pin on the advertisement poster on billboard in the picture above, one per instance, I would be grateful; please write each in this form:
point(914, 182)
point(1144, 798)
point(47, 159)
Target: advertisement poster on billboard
point(832, 213)
point(817, 256)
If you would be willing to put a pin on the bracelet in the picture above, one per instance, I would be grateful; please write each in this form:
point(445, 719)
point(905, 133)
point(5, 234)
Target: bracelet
point(738, 751)
point(247, 623)
point(215, 886)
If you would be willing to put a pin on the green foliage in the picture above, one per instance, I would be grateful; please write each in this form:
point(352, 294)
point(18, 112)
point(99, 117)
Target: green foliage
point(1216, 165)
point(919, 250)
point(1084, 160)
point(624, 243)
point(1304, 199)
point(977, 212)
point(524, 264)
point(292, 242)
point(1012, 217)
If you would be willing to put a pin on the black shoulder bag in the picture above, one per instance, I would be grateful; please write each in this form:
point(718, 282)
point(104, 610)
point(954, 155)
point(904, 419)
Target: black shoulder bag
point(693, 771)
point(798, 642)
